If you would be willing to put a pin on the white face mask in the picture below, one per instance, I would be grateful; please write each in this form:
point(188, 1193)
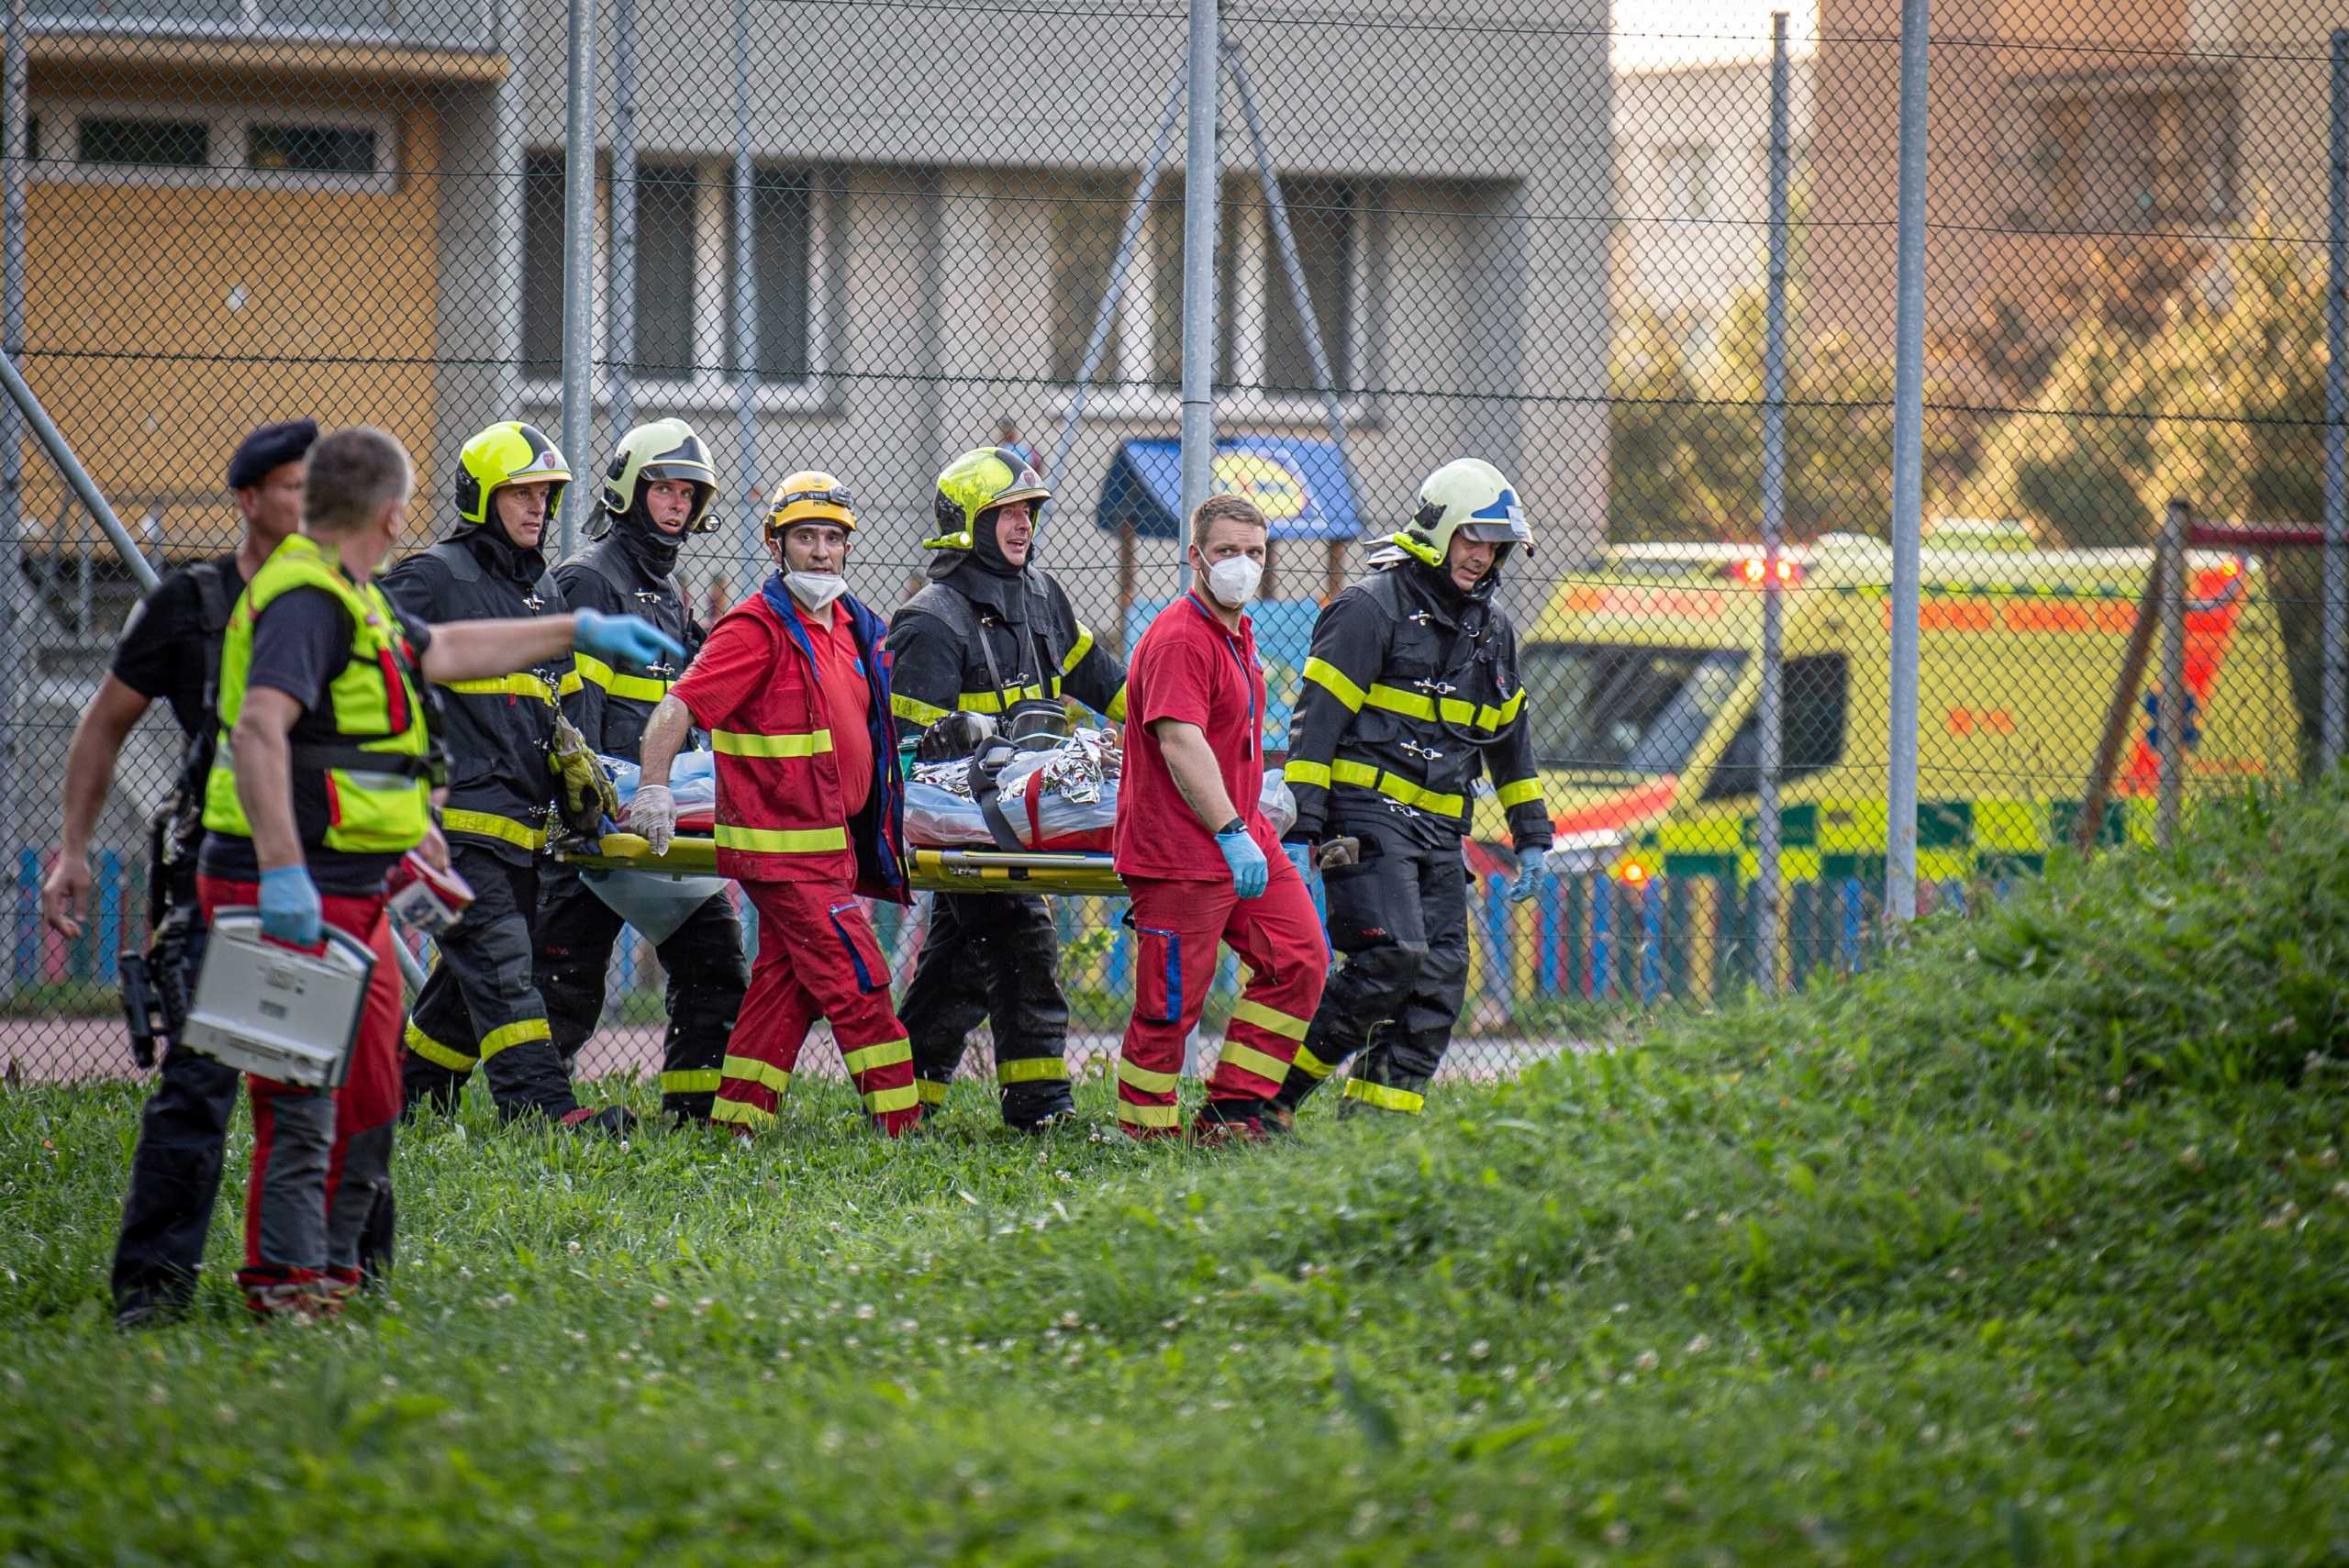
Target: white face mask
point(1234, 580)
point(815, 589)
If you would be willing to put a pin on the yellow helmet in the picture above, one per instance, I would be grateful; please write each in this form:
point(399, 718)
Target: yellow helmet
point(812, 495)
point(666, 449)
point(507, 454)
point(1465, 495)
point(977, 483)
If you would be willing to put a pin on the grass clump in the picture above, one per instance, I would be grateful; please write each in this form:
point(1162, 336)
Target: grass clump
point(2032, 1246)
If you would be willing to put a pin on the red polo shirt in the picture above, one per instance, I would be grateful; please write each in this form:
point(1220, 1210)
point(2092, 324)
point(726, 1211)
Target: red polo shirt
point(1187, 667)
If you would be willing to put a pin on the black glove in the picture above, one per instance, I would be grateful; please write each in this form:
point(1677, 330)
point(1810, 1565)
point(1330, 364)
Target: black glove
point(956, 734)
point(618, 1120)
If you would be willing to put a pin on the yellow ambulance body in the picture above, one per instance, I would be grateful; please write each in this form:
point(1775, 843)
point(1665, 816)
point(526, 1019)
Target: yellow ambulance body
point(1643, 677)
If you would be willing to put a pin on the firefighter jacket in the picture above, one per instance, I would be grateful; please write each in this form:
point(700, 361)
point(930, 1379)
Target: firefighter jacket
point(618, 576)
point(940, 640)
point(501, 789)
point(782, 813)
point(361, 767)
point(1411, 692)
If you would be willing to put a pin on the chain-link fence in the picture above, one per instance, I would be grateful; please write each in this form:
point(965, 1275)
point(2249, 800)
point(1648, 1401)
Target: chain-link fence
point(864, 236)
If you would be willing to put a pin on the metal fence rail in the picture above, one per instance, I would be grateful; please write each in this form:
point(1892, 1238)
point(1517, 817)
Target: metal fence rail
point(1848, 382)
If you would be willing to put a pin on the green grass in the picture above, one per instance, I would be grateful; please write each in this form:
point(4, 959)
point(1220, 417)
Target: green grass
point(2031, 1247)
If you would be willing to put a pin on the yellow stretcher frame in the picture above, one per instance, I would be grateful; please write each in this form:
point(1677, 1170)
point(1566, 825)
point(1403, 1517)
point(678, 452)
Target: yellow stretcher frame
point(1067, 872)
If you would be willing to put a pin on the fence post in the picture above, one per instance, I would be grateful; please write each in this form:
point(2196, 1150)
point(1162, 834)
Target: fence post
point(746, 313)
point(1201, 174)
point(1908, 474)
point(2333, 640)
point(1768, 891)
point(2170, 719)
point(15, 115)
point(578, 265)
point(619, 302)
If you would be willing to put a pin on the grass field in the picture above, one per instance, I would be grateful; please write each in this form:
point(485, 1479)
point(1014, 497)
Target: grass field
point(2032, 1247)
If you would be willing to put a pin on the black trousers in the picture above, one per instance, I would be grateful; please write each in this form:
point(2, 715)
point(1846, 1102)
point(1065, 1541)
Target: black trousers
point(1400, 918)
point(480, 1006)
point(706, 976)
point(990, 956)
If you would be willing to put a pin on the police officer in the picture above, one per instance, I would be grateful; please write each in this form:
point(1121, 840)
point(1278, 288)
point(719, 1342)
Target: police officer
point(172, 651)
point(480, 1006)
point(1411, 692)
point(658, 488)
point(993, 634)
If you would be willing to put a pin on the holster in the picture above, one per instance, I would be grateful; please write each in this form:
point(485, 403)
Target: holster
point(155, 985)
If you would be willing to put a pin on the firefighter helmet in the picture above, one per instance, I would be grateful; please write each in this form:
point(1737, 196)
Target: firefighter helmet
point(810, 495)
point(1466, 496)
point(976, 483)
point(666, 449)
point(507, 454)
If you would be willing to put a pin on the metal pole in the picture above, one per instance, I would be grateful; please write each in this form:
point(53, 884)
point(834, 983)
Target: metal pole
point(1285, 240)
point(1768, 892)
point(2333, 641)
point(620, 309)
point(746, 318)
point(1200, 172)
point(1908, 476)
point(14, 115)
point(578, 264)
point(53, 442)
point(1105, 314)
point(2169, 716)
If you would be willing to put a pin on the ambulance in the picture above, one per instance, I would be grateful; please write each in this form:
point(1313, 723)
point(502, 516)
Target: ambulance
point(1643, 677)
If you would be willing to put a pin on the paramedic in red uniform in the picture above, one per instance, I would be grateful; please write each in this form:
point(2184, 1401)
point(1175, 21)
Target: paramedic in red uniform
point(793, 686)
point(1200, 860)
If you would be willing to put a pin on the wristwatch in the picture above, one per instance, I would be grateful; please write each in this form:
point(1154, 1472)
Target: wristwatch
point(1237, 824)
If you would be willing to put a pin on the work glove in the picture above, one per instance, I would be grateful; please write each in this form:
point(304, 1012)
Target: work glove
point(618, 640)
point(587, 795)
point(654, 813)
point(289, 906)
point(617, 1120)
point(1250, 870)
point(1530, 863)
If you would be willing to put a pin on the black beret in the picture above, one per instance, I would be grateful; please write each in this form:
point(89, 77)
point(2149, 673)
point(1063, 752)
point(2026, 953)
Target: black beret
point(270, 447)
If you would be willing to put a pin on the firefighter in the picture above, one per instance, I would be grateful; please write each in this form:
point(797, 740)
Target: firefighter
point(1199, 857)
point(793, 686)
point(1411, 693)
point(994, 634)
point(183, 1132)
point(322, 778)
point(657, 489)
point(480, 1006)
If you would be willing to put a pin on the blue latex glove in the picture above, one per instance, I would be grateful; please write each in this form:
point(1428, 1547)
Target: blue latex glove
point(623, 640)
point(1530, 863)
point(289, 906)
point(1301, 857)
point(1250, 870)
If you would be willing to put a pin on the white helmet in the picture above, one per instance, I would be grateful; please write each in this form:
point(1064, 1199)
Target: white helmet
point(1465, 495)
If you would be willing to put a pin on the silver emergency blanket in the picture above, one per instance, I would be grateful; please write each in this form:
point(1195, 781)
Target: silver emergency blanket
point(1075, 786)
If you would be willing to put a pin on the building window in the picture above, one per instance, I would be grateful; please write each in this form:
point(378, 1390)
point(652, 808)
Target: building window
point(145, 143)
point(105, 143)
point(782, 250)
point(1688, 180)
point(667, 280)
point(311, 149)
point(542, 247)
point(2115, 153)
point(1322, 218)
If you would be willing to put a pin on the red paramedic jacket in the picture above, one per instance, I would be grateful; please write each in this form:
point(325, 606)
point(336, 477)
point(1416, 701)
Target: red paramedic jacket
point(782, 814)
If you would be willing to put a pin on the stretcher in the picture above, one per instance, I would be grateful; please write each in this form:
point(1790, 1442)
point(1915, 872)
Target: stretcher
point(931, 870)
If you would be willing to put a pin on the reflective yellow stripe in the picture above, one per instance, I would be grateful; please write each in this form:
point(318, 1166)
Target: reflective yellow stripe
point(440, 1055)
point(750, 1070)
point(488, 825)
point(996, 701)
point(1078, 649)
point(1520, 793)
point(570, 683)
point(636, 688)
point(780, 841)
point(888, 1054)
point(881, 1102)
point(1116, 713)
point(1411, 704)
point(741, 1112)
point(1385, 1098)
point(1331, 678)
point(1311, 1066)
point(734, 743)
point(1302, 773)
point(1246, 1012)
point(513, 1034)
point(932, 1093)
point(1248, 1059)
point(1143, 1078)
point(1031, 1070)
point(1149, 1116)
point(522, 684)
point(913, 710)
point(1396, 787)
point(699, 1081)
